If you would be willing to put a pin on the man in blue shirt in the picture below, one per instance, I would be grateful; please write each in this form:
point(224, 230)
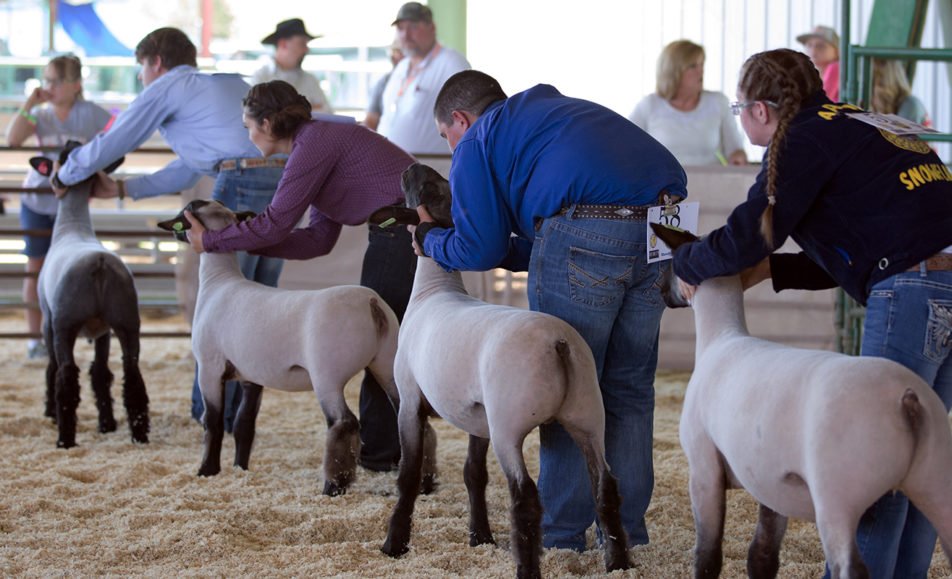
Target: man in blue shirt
point(200, 116)
point(560, 187)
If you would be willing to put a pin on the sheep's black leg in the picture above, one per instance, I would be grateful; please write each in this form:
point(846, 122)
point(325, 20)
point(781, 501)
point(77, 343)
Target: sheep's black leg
point(412, 421)
point(608, 507)
point(429, 483)
point(51, 368)
point(67, 387)
point(708, 504)
point(102, 384)
point(763, 557)
point(526, 515)
point(214, 432)
point(342, 445)
point(476, 478)
point(607, 498)
point(245, 423)
point(134, 396)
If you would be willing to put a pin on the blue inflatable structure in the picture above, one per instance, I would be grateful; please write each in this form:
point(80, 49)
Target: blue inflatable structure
point(87, 30)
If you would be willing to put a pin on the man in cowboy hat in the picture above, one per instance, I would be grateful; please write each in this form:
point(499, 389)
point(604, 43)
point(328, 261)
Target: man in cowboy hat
point(290, 40)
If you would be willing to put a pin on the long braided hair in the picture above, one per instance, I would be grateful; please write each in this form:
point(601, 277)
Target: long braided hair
point(786, 78)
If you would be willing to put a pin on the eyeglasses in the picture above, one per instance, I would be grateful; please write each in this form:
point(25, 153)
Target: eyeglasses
point(737, 107)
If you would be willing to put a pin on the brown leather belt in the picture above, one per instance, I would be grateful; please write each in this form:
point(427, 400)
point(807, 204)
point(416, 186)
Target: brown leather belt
point(938, 262)
point(617, 212)
point(253, 163)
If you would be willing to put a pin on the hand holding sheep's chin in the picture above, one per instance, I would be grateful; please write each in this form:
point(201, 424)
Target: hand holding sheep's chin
point(416, 247)
point(55, 184)
point(755, 274)
point(104, 187)
point(687, 290)
point(194, 233)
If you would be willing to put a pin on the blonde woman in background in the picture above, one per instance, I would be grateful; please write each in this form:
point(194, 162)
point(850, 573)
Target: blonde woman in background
point(54, 113)
point(892, 94)
point(696, 125)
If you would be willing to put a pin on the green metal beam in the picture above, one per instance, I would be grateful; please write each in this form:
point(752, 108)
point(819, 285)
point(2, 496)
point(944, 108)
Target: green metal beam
point(450, 19)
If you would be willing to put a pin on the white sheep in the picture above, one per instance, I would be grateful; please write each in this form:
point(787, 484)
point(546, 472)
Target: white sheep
point(497, 373)
point(86, 290)
point(287, 340)
point(811, 434)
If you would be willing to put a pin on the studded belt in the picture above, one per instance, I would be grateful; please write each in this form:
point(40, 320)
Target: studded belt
point(616, 212)
point(253, 163)
point(938, 262)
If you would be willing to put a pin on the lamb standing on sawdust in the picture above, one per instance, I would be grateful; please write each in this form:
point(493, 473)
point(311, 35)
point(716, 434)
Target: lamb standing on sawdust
point(86, 290)
point(811, 434)
point(286, 340)
point(497, 373)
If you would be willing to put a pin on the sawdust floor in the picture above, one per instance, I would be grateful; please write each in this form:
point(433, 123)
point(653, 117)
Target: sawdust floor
point(110, 507)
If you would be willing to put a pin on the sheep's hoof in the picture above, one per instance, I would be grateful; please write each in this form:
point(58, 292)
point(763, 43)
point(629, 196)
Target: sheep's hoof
point(428, 484)
point(617, 562)
point(477, 539)
point(208, 470)
point(140, 438)
point(107, 425)
point(333, 489)
point(528, 572)
point(65, 443)
point(395, 552)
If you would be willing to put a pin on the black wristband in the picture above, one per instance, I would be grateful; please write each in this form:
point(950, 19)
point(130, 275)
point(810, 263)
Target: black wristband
point(420, 234)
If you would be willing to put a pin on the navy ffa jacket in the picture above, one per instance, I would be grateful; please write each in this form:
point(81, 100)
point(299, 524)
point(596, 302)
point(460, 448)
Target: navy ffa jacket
point(862, 203)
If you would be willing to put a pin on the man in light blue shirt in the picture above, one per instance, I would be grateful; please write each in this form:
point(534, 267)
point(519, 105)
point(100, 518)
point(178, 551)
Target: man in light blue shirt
point(199, 115)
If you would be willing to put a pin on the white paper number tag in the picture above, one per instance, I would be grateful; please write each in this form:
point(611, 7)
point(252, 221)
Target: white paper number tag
point(681, 215)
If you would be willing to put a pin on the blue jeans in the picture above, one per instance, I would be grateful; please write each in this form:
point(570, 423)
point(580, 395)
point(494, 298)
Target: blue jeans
point(908, 320)
point(593, 274)
point(243, 190)
point(36, 246)
point(388, 268)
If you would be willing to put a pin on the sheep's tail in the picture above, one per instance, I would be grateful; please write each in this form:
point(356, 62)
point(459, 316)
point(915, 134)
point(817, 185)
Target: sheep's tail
point(380, 318)
point(564, 352)
point(100, 277)
point(912, 412)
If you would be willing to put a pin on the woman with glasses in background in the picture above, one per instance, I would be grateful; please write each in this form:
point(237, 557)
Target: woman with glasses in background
point(693, 123)
point(54, 113)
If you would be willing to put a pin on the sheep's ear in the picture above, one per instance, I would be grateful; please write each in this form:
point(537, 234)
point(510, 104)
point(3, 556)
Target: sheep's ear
point(673, 237)
point(245, 215)
point(177, 225)
point(394, 215)
point(42, 165)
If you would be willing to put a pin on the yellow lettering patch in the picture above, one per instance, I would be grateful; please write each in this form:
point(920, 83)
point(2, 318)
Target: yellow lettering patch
point(922, 174)
point(830, 110)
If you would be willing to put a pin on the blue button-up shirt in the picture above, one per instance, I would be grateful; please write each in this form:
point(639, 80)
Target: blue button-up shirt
point(199, 115)
point(531, 155)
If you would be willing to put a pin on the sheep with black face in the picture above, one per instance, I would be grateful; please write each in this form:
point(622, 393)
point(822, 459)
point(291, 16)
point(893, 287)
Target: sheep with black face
point(86, 290)
point(286, 340)
point(497, 373)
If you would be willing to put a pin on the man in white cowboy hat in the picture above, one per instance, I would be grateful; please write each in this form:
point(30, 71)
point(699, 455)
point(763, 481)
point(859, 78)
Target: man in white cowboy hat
point(290, 40)
point(822, 45)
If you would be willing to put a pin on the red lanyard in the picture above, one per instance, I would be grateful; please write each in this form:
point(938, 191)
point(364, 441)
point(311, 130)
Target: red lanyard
point(414, 71)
